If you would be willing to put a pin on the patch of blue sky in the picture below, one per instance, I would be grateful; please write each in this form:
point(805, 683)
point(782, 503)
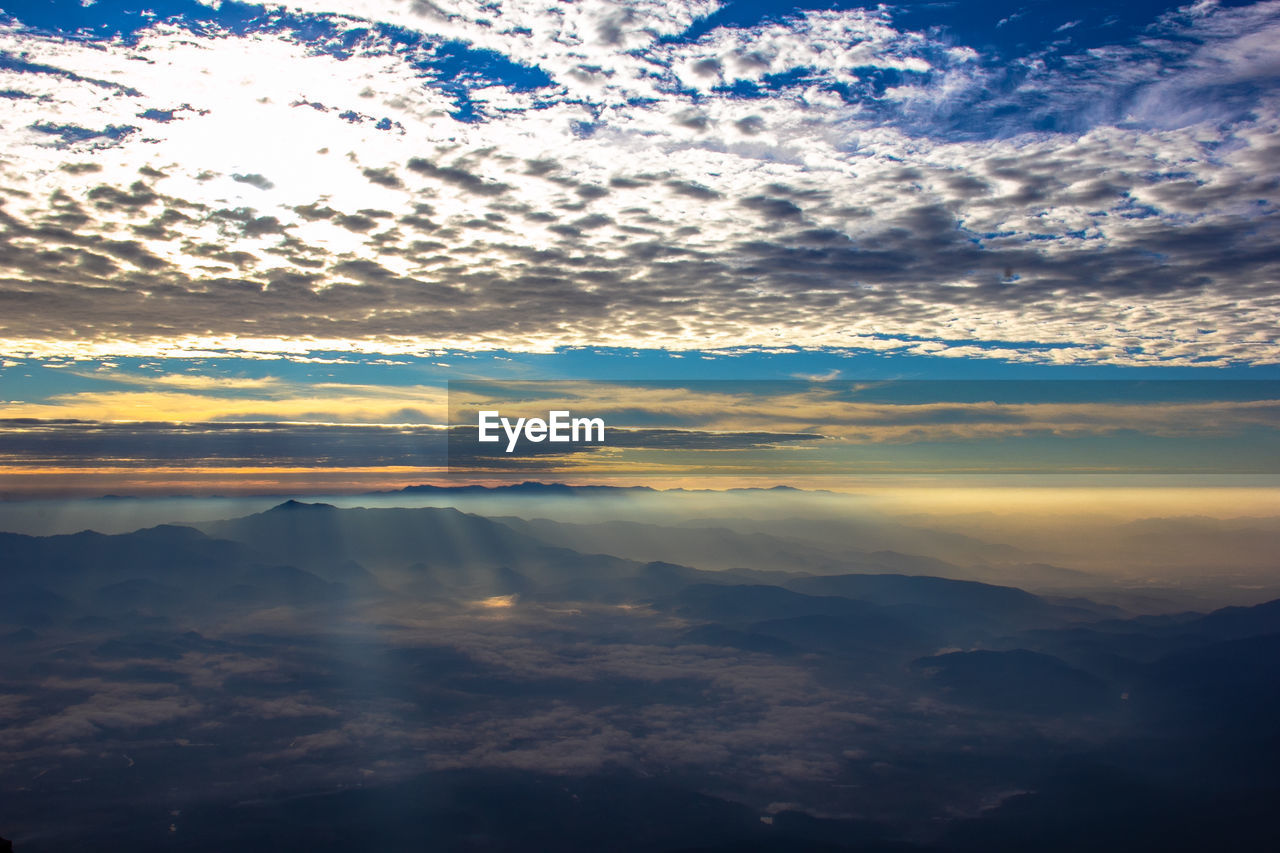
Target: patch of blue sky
point(1017, 44)
point(458, 61)
point(1009, 27)
point(105, 19)
point(31, 381)
point(872, 83)
point(452, 66)
point(743, 13)
point(781, 363)
point(1001, 28)
point(458, 68)
point(1033, 71)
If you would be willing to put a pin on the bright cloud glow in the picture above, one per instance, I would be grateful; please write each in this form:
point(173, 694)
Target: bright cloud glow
point(530, 176)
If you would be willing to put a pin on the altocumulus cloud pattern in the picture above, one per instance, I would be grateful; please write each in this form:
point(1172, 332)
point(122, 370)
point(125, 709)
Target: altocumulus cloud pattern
point(410, 177)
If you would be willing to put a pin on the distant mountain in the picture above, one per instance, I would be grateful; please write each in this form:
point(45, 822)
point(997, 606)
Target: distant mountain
point(137, 593)
point(960, 606)
point(463, 581)
point(758, 617)
point(1229, 623)
point(1124, 645)
point(746, 604)
point(29, 605)
point(529, 487)
point(918, 589)
point(534, 487)
point(161, 570)
point(706, 547)
point(874, 631)
point(1017, 680)
point(1231, 686)
point(97, 558)
point(898, 616)
point(846, 533)
point(431, 548)
point(336, 652)
point(320, 534)
point(636, 582)
point(836, 546)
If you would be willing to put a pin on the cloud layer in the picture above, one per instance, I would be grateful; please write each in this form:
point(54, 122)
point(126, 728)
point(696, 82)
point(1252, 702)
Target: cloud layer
point(205, 426)
point(393, 177)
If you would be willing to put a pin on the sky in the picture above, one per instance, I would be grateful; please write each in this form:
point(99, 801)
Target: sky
point(219, 214)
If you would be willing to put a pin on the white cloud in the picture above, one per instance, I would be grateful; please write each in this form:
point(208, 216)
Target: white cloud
point(630, 202)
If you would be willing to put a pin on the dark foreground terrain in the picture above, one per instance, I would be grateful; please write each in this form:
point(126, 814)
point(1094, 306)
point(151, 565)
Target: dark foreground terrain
point(310, 678)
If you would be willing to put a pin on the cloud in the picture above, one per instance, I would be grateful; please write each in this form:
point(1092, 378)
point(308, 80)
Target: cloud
point(110, 707)
point(205, 423)
point(895, 412)
point(535, 176)
point(460, 177)
point(249, 445)
point(189, 398)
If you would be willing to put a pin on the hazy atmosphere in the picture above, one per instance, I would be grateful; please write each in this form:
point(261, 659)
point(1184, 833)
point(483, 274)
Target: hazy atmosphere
point(713, 426)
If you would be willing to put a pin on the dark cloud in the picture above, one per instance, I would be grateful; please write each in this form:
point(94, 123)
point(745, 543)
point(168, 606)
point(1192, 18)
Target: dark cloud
point(542, 166)
point(610, 29)
point(457, 176)
point(355, 222)
point(591, 191)
point(710, 67)
point(693, 120)
point(693, 190)
point(133, 252)
point(107, 197)
point(254, 180)
point(629, 182)
point(595, 220)
point(385, 177)
point(72, 443)
point(772, 208)
point(248, 223)
point(315, 211)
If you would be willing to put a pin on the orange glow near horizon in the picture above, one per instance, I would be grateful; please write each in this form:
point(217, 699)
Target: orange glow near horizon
point(1129, 496)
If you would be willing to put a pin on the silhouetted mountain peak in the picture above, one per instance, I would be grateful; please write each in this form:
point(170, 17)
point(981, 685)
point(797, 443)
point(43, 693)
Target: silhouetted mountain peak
point(292, 505)
point(528, 487)
point(1232, 622)
point(167, 533)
